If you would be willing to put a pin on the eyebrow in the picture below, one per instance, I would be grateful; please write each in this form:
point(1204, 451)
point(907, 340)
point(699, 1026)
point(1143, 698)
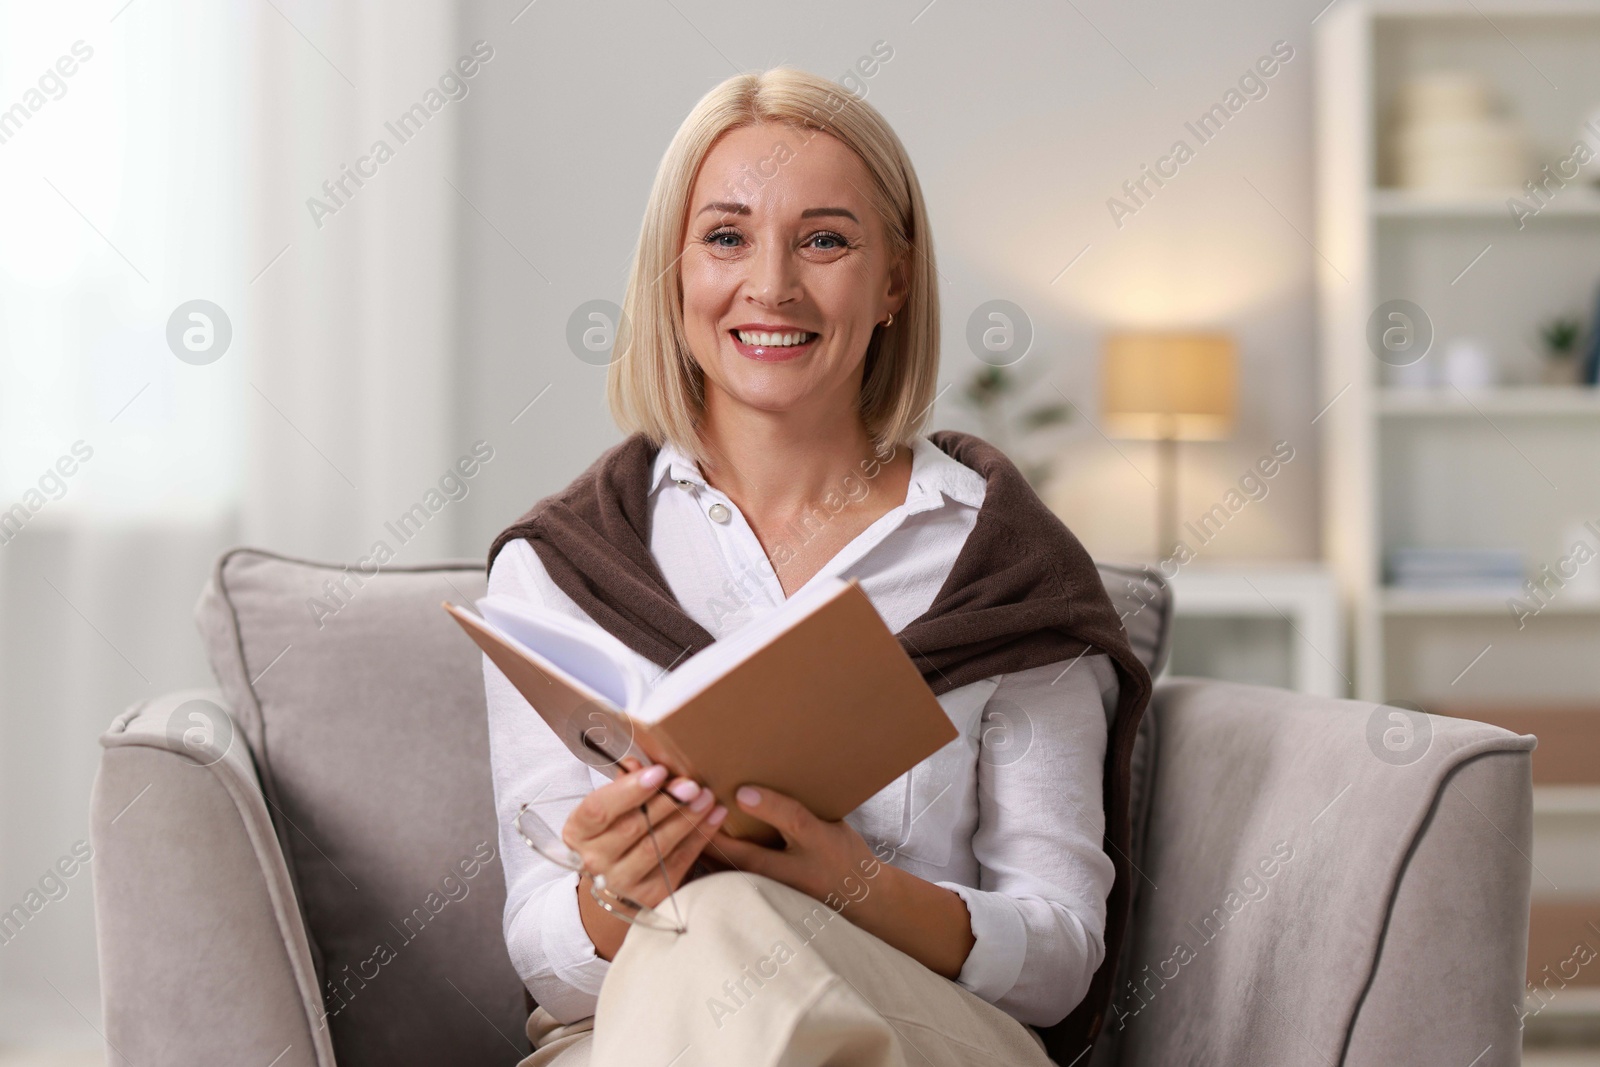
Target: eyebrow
point(728, 207)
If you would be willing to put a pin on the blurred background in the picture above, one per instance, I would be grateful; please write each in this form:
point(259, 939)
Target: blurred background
point(1296, 301)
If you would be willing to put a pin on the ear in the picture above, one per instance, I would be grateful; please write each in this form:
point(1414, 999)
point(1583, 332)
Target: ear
point(899, 287)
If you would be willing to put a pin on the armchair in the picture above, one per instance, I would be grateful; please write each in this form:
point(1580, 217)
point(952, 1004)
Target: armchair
point(298, 868)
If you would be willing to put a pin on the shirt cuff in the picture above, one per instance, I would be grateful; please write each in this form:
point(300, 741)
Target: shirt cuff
point(566, 943)
point(1000, 942)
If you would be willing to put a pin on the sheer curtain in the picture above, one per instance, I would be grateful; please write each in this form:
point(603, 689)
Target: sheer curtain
point(174, 164)
point(350, 398)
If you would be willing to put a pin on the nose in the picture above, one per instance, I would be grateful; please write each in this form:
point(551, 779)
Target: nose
point(774, 278)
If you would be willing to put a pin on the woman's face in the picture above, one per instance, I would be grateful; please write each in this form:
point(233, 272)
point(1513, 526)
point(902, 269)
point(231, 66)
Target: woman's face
point(783, 245)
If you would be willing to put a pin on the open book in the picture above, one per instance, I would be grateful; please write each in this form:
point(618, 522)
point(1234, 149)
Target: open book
point(816, 699)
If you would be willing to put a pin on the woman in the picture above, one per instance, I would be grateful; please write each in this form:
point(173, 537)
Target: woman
point(782, 360)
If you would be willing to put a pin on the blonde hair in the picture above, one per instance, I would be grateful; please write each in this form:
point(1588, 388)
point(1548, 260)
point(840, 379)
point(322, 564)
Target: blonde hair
point(654, 385)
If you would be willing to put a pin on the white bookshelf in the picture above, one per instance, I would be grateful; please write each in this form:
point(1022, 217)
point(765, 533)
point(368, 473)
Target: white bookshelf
point(1514, 466)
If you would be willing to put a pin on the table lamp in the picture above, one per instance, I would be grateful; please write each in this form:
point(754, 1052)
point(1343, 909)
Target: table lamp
point(1168, 387)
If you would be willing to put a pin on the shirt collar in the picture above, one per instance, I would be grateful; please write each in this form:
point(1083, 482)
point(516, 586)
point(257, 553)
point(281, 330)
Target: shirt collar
point(672, 465)
point(935, 475)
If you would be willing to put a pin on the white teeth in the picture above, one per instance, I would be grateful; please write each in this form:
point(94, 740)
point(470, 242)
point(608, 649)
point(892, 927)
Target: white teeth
point(773, 340)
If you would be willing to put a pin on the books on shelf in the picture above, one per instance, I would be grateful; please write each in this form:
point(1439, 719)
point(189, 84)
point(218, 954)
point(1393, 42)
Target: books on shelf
point(816, 699)
point(1483, 569)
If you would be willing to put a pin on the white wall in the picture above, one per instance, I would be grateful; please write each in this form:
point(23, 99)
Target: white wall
point(1022, 120)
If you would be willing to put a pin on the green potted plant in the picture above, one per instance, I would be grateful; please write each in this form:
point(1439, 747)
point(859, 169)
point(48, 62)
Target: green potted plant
point(1561, 337)
point(992, 393)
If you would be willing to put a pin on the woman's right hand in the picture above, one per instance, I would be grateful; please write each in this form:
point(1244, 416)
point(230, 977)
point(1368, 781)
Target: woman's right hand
point(608, 831)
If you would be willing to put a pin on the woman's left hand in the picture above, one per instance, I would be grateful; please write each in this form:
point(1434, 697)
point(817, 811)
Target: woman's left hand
point(824, 860)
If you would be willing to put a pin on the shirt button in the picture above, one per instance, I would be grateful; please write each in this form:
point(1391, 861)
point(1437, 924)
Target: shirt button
point(684, 483)
point(718, 513)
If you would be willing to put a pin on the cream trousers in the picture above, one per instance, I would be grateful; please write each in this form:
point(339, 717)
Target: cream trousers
point(765, 976)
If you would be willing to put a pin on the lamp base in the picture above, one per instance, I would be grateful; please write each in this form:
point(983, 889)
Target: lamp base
point(1166, 497)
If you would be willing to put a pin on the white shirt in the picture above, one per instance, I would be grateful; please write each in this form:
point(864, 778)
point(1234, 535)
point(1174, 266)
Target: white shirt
point(1009, 815)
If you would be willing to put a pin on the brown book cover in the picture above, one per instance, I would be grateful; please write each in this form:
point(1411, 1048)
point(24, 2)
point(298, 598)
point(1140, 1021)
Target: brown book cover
point(830, 711)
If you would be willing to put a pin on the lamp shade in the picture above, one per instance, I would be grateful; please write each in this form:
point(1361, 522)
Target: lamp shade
point(1179, 386)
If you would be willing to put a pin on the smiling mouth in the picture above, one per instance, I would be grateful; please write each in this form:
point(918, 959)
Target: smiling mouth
point(772, 347)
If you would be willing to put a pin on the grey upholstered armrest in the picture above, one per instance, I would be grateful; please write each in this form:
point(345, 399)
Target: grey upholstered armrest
point(1327, 881)
point(203, 952)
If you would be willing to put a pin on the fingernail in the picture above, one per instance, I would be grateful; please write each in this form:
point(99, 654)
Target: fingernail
point(749, 796)
point(702, 802)
point(654, 776)
point(684, 790)
point(716, 817)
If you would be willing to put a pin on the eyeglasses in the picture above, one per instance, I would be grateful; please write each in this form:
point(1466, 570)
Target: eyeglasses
point(543, 839)
point(599, 732)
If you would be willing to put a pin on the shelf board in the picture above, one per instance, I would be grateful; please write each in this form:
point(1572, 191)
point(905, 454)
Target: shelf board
point(1453, 11)
point(1477, 602)
point(1579, 800)
point(1573, 1002)
point(1572, 202)
point(1538, 400)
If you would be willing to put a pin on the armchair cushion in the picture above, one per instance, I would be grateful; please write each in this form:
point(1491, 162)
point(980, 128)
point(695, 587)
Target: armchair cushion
point(363, 708)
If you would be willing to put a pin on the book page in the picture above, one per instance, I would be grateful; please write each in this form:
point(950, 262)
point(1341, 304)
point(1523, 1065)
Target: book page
point(581, 649)
point(591, 726)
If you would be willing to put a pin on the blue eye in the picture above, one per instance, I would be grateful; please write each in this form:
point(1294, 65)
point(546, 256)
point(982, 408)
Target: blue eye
point(715, 239)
